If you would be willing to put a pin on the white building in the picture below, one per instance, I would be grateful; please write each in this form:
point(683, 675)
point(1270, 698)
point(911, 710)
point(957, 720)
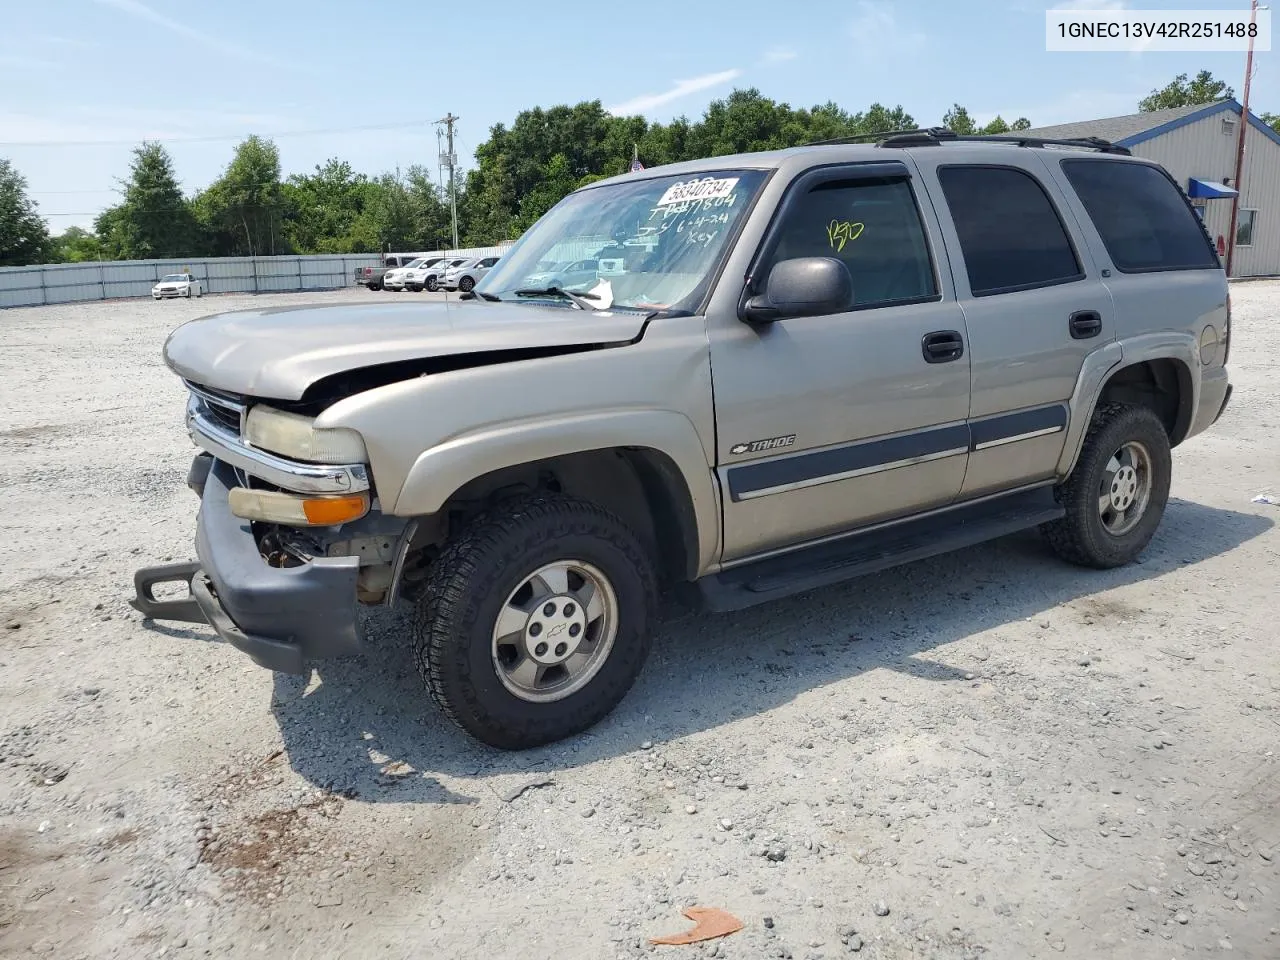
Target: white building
point(1197, 145)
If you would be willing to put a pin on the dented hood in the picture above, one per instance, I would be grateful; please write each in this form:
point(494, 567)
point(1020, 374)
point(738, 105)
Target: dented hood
point(280, 351)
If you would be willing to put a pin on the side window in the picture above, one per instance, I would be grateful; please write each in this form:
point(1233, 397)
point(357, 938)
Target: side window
point(1011, 236)
point(1244, 227)
point(873, 226)
point(1144, 220)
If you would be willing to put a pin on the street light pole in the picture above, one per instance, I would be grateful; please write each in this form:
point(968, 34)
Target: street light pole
point(1244, 127)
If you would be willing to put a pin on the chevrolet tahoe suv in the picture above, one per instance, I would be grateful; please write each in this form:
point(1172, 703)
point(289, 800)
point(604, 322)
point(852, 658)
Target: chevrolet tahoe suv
point(786, 369)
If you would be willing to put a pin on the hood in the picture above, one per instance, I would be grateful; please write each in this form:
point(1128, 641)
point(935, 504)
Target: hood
point(279, 352)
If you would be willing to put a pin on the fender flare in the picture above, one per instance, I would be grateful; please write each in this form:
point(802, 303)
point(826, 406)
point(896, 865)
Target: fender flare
point(442, 470)
point(1104, 363)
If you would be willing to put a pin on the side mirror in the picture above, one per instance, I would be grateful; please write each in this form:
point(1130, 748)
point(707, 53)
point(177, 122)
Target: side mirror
point(803, 287)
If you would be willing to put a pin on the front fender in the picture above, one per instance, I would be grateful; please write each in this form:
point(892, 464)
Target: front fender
point(440, 471)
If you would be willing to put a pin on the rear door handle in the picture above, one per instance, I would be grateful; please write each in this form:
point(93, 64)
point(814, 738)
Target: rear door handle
point(1085, 324)
point(942, 346)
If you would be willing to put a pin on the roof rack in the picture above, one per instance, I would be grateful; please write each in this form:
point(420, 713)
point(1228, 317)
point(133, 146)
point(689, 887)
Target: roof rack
point(935, 136)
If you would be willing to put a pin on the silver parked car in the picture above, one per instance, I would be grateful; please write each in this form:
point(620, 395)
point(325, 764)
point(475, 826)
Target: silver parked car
point(570, 274)
point(466, 275)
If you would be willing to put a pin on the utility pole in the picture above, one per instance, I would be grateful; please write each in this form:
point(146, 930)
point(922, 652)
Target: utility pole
point(450, 159)
point(1244, 126)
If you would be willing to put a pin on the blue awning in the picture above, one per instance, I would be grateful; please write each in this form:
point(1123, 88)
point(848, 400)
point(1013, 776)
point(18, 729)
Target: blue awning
point(1209, 189)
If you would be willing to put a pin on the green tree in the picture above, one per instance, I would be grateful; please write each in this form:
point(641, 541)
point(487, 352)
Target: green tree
point(957, 120)
point(433, 223)
point(1022, 123)
point(154, 220)
point(324, 208)
point(1272, 120)
point(77, 245)
point(393, 213)
point(244, 209)
point(1181, 92)
point(24, 236)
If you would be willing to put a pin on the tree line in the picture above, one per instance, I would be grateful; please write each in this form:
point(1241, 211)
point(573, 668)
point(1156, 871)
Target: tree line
point(521, 171)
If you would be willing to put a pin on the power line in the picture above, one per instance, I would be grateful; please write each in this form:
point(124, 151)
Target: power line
point(212, 138)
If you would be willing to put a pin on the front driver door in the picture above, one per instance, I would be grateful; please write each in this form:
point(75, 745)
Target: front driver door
point(828, 423)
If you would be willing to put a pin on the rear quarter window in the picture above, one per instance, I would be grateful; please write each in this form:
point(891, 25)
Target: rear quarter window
point(1144, 220)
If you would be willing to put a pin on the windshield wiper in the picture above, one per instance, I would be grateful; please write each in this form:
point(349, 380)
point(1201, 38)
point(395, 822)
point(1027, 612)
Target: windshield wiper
point(476, 294)
point(582, 300)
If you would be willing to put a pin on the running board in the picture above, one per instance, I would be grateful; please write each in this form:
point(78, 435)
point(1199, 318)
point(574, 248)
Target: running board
point(859, 554)
point(184, 609)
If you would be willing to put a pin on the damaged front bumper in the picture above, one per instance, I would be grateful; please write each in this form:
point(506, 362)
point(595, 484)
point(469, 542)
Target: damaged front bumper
point(281, 616)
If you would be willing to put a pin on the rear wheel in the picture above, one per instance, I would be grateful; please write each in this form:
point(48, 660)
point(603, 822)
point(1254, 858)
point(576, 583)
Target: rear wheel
point(534, 622)
point(1116, 495)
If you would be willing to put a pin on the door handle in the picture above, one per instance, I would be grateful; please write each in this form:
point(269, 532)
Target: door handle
point(942, 346)
point(1085, 324)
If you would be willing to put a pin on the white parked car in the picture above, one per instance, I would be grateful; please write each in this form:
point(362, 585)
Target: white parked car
point(395, 279)
point(177, 285)
point(425, 276)
point(467, 274)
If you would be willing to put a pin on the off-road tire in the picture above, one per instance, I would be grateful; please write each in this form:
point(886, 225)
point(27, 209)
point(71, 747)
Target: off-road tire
point(468, 585)
point(1080, 537)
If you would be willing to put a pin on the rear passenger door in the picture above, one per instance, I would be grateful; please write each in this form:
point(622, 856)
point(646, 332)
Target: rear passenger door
point(1158, 263)
point(1033, 301)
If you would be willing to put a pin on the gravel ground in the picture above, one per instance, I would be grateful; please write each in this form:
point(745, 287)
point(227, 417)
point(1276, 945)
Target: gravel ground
point(988, 754)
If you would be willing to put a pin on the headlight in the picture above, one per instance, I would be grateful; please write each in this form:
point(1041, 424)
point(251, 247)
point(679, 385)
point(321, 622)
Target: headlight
point(291, 435)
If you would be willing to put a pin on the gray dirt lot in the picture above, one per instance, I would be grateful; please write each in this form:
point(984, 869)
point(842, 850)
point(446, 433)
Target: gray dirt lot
point(1016, 758)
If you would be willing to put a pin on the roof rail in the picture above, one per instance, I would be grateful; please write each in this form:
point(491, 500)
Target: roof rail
point(860, 137)
point(938, 135)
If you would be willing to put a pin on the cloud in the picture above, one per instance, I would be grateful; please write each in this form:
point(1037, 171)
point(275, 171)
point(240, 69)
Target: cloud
point(1072, 107)
point(21, 61)
point(681, 88)
point(779, 55)
point(877, 31)
point(69, 42)
point(140, 11)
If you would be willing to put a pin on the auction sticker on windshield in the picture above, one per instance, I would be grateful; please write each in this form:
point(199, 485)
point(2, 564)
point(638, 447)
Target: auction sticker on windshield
point(708, 188)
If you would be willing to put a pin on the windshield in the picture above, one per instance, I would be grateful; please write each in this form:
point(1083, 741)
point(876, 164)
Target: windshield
point(413, 263)
point(173, 276)
point(646, 244)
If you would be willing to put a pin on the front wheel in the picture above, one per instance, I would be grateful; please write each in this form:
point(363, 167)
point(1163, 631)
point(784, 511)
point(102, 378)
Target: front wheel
point(466, 284)
point(1116, 495)
point(433, 284)
point(534, 622)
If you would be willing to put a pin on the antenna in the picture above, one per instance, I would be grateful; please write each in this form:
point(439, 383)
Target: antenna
point(449, 159)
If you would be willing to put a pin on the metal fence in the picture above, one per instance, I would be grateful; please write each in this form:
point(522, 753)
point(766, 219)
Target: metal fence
point(70, 282)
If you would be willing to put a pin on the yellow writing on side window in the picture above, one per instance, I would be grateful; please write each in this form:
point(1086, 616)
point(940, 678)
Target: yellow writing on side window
point(840, 232)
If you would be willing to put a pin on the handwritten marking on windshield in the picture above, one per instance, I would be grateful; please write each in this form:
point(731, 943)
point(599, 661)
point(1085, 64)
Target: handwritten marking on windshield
point(840, 232)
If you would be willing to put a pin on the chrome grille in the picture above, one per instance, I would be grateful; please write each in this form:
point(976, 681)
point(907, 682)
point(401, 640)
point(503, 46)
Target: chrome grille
point(226, 411)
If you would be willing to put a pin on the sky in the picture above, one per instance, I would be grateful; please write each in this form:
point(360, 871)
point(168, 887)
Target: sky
point(83, 81)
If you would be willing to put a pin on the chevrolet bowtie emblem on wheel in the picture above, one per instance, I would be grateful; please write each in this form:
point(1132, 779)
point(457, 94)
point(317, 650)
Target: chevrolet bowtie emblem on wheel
point(755, 446)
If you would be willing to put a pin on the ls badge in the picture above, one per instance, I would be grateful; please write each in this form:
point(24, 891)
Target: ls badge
point(756, 446)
